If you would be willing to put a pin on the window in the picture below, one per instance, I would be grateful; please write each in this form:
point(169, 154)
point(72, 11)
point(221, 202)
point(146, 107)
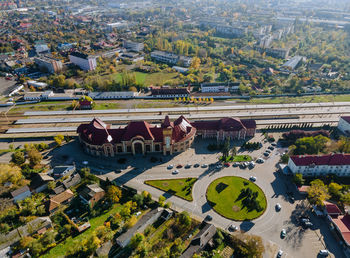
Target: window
point(148, 147)
point(119, 149)
point(157, 147)
point(128, 148)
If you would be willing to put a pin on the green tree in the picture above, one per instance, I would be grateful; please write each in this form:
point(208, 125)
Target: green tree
point(298, 179)
point(51, 185)
point(317, 192)
point(226, 148)
point(233, 151)
point(335, 190)
point(161, 200)
point(184, 219)
point(34, 157)
point(18, 158)
point(136, 240)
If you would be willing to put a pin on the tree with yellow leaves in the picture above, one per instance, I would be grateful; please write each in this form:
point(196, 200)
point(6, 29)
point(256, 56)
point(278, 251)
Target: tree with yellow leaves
point(211, 100)
point(10, 174)
point(196, 62)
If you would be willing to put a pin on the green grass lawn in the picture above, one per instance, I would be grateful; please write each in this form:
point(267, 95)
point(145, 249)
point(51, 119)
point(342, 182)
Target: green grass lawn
point(61, 249)
point(149, 79)
point(103, 106)
point(237, 158)
point(240, 158)
point(179, 187)
point(223, 194)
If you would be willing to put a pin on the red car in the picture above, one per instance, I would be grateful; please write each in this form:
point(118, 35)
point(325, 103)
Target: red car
point(179, 166)
point(227, 164)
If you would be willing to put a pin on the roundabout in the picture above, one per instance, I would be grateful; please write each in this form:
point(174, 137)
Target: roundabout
point(236, 198)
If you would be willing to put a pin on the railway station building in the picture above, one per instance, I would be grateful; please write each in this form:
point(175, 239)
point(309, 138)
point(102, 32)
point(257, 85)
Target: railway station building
point(139, 137)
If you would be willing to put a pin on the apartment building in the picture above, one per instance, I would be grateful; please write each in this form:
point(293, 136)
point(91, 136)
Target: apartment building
point(320, 165)
point(133, 46)
point(165, 57)
point(85, 62)
point(49, 64)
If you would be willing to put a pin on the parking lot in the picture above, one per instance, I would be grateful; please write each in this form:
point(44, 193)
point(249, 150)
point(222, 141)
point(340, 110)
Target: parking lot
point(297, 243)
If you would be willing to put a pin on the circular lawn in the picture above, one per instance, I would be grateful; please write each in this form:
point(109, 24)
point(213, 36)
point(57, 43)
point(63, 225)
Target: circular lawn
point(230, 198)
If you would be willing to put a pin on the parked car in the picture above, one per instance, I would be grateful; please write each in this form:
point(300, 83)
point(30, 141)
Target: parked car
point(204, 165)
point(209, 218)
point(175, 172)
point(252, 178)
point(283, 233)
point(307, 224)
point(260, 160)
point(266, 154)
point(179, 166)
point(324, 253)
point(196, 165)
point(278, 207)
point(236, 164)
point(243, 165)
point(274, 144)
point(252, 164)
point(188, 166)
point(227, 164)
point(232, 228)
point(268, 151)
point(280, 253)
point(271, 148)
point(118, 171)
point(85, 162)
point(170, 166)
point(218, 166)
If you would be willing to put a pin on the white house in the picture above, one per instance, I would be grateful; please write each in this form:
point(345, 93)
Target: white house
point(317, 165)
point(344, 124)
point(85, 62)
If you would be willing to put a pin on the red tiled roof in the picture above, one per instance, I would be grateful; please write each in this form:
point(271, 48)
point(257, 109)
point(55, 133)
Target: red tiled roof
point(96, 134)
point(226, 124)
point(332, 208)
point(137, 128)
point(346, 118)
point(329, 159)
point(169, 91)
point(182, 129)
point(343, 224)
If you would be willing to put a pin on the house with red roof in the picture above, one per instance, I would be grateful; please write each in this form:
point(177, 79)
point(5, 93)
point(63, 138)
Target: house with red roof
point(331, 208)
point(228, 127)
point(318, 165)
point(344, 125)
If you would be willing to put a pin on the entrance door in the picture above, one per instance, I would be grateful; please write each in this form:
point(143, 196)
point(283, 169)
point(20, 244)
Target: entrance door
point(138, 148)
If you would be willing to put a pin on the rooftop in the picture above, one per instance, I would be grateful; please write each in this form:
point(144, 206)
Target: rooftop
point(321, 160)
